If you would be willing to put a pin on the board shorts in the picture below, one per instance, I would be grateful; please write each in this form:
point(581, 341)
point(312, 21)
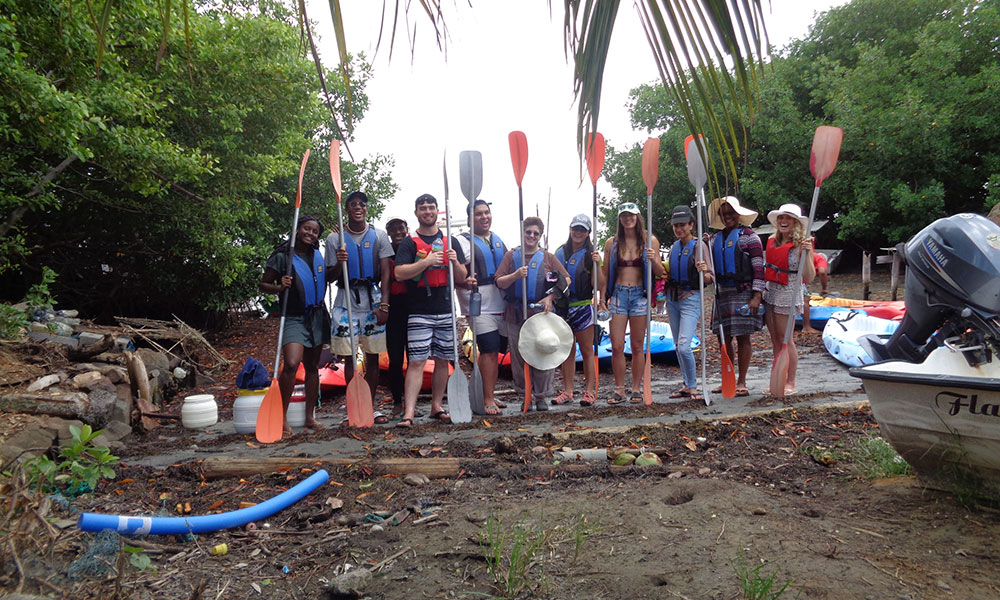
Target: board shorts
point(429, 336)
point(368, 334)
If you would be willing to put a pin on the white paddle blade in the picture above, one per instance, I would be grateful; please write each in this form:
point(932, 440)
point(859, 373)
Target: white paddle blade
point(458, 397)
point(695, 162)
point(470, 170)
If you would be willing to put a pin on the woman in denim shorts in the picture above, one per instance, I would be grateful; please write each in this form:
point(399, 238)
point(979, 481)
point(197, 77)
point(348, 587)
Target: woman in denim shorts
point(626, 259)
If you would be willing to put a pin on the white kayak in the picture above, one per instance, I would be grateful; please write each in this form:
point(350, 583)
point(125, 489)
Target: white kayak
point(843, 330)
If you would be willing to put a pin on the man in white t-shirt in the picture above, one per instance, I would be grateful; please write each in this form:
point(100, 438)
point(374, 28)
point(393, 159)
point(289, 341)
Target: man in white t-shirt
point(367, 257)
point(489, 326)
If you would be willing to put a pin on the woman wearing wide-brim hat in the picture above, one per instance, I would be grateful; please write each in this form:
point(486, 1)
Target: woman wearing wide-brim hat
point(783, 290)
point(738, 256)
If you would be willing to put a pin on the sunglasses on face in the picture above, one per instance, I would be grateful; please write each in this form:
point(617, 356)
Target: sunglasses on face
point(628, 207)
point(532, 233)
point(355, 204)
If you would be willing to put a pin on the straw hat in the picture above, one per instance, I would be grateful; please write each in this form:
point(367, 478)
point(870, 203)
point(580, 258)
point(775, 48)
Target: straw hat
point(747, 216)
point(789, 209)
point(545, 341)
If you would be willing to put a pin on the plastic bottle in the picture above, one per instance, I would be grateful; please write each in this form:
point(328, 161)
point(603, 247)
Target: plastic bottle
point(745, 310)
point(603, 314)
point(475, 304)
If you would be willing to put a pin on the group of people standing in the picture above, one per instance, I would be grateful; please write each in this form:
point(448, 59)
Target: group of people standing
point(400, 298)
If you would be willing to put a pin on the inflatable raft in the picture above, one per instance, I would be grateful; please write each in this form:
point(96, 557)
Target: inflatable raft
point(846, 327)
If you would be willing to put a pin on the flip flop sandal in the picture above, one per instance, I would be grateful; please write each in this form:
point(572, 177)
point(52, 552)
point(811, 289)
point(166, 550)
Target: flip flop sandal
point(717, 390)
point(635, 398)
point(697, 396)
point(563, 398)
point(380, 419)
point(442, 416)
point(741, 392)
point(681, 394)
point(493, 410)
point(588, 399)
point(405, 424)
point(616, 398)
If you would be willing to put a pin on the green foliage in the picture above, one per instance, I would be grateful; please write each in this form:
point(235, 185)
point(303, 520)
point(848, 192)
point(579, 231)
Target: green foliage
point(874, 458)
point(39, 297)
point(912, 83)
point(79, 467)
point(139, 559)
point(756, 584)
point(160, 185)
point(510, 555)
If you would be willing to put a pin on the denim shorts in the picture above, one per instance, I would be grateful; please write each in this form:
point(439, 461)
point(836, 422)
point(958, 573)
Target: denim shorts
point(628, 300)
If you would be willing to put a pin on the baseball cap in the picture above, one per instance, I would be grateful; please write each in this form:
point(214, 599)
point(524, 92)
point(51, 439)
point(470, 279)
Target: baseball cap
point(681, 214)
point(394, 219)
point(581, 220)
point(359, 196)
point(472, 207)
point(629, 207)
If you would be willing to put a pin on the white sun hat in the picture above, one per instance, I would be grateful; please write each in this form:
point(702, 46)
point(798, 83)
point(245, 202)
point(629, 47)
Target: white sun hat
point(791, 210)
point(545, 341)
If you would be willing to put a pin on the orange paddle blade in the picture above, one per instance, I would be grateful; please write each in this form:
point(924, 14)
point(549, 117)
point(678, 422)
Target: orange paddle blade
point(728, 375)
point(359, 402)
point(271, 415)
point(825, 151)
point(302, 172)
point(595, 156)
point(518, 154)
point(779, 372)
point(527, 387)
point(335, 166)
point(650, 164)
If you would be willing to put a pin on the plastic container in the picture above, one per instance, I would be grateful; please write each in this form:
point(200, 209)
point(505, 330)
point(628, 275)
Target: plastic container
point(199, 411)
point(245, 409)
point(745, 310)
point(297, 407)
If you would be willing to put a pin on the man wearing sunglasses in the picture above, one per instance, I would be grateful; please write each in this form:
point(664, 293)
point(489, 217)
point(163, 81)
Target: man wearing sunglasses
point(366, 256)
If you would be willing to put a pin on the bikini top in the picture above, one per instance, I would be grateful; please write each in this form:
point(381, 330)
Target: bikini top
point(635, 262)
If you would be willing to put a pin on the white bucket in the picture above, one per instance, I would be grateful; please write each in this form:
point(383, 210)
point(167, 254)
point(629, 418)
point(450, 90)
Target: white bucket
point(245, 409)
point(199, 411)
point(297, 407)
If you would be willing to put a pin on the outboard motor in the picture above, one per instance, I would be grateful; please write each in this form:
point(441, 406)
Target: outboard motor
point(952, 288)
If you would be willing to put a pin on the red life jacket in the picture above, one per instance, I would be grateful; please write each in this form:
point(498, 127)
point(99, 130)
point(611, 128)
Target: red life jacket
point(396, 287)
point(436, 276)
point(776, 269)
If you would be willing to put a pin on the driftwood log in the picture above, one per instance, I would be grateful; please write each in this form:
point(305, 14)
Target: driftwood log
point(433, 468)
point(95, 408)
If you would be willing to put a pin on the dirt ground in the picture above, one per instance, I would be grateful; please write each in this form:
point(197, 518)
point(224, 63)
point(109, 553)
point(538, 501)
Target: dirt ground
point(777, 489)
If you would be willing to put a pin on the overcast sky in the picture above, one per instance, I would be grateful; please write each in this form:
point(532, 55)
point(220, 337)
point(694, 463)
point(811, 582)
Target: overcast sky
point(504, 70)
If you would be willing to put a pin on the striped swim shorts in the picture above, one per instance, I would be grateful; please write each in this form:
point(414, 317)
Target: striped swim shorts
point(429, 335)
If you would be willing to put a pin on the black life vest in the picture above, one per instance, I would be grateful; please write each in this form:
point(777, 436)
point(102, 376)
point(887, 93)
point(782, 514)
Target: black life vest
point(580, 267)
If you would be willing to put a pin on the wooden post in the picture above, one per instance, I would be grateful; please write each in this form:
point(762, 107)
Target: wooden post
point(866, 273)
point(897, 262)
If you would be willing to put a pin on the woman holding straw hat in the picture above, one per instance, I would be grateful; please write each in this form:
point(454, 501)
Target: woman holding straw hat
point(626, 259)
point(738, 257)
point(783, 291)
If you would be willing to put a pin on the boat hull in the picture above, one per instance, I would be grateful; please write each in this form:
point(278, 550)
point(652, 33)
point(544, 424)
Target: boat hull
point(942, 417)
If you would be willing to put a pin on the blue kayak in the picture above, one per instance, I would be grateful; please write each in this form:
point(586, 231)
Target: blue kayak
point(819, 315)
point(662, 347)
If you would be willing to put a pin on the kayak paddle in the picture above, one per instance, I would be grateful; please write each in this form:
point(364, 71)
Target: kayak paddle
point(271, 414)
point(519, 159)
point(595, 163)
point(698, 177)
point(650, 170)
point(822, 161)
point(360, 412)
point(458, 385)
point(470, 171)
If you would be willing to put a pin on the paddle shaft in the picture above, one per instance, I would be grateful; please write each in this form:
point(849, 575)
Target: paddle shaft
point(596, 295)
point(451, 279)
point(347, 287)
point(701, 300)
point(524, 296)
point(801, 275)
point(284, 295)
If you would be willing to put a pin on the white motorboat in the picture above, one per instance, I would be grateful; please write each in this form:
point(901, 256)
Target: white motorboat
point(935, 391)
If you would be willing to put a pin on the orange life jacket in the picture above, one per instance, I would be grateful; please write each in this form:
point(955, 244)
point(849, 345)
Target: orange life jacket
point(776, 267)
point(436, 276)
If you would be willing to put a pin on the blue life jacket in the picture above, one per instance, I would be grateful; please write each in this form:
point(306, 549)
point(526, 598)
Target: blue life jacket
point(582, 287)
point(310, 283)
point(362, 264)
point(733, 265)
point(682, 267)
point(535, 279)
point(488, 257)
point(613, 263)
